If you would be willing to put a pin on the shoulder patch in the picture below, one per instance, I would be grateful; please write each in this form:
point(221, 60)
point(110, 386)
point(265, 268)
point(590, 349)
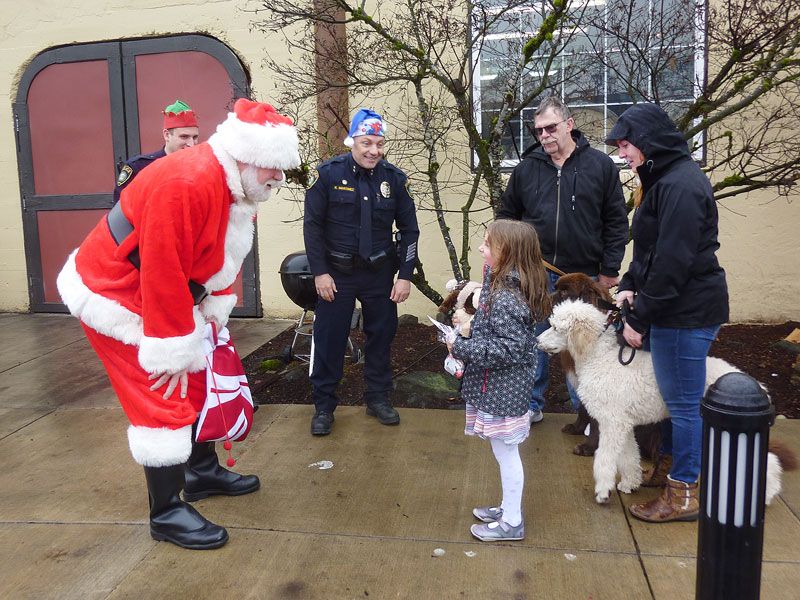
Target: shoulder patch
point(124, 175)
point(313, 177)
point(409, 191)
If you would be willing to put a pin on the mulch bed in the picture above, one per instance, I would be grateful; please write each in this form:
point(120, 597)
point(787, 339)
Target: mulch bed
point(750, 347)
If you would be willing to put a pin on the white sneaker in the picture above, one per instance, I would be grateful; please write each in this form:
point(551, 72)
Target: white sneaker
point(535, 416)
point(498, 531)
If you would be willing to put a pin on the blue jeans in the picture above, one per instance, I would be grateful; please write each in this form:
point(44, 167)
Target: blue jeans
point(542, 376)
point(679, 361)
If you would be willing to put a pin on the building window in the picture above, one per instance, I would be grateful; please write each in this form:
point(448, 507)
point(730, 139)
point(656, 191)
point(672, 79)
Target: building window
point(608, 55)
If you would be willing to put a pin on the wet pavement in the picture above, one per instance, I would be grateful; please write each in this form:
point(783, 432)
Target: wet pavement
point(363, 513)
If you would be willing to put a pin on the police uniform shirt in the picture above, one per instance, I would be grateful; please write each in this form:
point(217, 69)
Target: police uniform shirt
point(131, 167)
point(333, 210)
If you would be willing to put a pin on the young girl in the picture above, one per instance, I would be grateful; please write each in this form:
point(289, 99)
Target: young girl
point(500, 359)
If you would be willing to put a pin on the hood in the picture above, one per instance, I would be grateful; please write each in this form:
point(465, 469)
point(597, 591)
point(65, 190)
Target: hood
point(512, 279)
point(650, 129)
point(581, 143)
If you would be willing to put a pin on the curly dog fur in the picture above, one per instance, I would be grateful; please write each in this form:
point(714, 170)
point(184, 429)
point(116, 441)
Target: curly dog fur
point(577, 286)
point(619, 397)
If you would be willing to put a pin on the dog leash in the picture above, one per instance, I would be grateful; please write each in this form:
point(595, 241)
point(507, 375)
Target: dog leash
point(616, 319)
point(622, 317)
point(553, 268)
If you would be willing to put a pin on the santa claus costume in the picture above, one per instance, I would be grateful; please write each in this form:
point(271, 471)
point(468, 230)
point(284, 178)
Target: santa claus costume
point(191, 222)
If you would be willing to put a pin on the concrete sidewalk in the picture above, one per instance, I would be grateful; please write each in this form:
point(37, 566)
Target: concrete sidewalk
point(73, 504)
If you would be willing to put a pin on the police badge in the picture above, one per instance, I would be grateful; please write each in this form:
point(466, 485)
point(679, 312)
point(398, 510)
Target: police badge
point(386, 191)
point(124, 174)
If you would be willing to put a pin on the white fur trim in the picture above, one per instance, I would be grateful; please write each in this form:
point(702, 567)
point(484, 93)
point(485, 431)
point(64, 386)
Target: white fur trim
point(218, 307)
point(103, 315)
point(232, 175)
point(451, 285)
point(110, 318)
point(268, 146)
point(238, 241)
point(173, 354)
point(160, 446)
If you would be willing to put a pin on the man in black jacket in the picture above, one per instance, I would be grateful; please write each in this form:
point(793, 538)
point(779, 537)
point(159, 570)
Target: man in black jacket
point(572, 196)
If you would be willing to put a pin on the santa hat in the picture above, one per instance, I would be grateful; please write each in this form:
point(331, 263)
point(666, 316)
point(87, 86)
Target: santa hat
point(256, 134)
point(179, 114)
point(365, 122)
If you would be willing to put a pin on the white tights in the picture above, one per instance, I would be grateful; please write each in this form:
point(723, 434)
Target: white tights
point(512, 478)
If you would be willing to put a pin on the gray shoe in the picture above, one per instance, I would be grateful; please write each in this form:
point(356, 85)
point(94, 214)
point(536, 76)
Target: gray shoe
point(535, 416)
point(498, 531)
point(487, 514)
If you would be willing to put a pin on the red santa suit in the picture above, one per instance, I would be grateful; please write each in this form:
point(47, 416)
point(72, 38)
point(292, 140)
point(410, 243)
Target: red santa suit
point(191, 221)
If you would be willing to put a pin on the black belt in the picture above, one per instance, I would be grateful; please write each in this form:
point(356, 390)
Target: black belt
point(346, 262)
point(121, 228)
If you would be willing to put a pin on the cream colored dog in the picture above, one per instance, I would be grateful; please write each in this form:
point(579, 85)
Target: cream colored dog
point(618, 396)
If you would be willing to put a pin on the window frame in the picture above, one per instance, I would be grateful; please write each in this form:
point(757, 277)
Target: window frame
point(700, 63)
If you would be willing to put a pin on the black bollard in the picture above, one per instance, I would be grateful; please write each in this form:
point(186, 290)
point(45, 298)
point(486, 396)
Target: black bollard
point(737, 414)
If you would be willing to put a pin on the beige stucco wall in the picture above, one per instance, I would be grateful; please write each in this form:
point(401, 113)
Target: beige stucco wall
point(758, 236)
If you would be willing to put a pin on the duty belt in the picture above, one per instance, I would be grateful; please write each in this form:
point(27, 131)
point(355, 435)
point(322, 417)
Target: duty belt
point(120, 228)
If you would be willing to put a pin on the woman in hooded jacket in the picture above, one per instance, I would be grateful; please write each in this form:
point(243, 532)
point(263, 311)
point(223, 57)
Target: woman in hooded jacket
point(677, 291)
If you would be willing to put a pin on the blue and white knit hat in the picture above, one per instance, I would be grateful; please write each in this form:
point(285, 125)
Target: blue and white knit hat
point(365, 122)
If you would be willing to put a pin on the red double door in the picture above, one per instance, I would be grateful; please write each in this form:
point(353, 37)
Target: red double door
point(81, 111)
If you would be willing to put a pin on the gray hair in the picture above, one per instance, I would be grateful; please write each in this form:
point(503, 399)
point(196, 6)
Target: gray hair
point(556, 103)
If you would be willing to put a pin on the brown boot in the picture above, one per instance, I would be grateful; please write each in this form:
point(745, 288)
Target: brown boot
point(678, 501)
point(656, 476)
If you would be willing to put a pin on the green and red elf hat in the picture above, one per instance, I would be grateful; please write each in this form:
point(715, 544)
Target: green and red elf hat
point(179, 114)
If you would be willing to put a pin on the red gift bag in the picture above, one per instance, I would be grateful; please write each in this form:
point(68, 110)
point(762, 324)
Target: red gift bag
point(228, 410)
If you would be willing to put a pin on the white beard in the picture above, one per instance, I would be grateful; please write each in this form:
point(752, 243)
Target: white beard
point(255, 191)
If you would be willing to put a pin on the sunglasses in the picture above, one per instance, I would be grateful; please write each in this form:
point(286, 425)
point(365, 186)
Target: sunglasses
point(551, 129)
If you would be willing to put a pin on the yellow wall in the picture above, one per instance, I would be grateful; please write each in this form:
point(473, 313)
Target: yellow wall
point(759, 237)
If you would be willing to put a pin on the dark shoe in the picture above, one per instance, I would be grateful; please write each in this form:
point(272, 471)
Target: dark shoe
point(384, 412)
point(171, 519)
point(321, 423)
point(656, 476)
point(205, 477)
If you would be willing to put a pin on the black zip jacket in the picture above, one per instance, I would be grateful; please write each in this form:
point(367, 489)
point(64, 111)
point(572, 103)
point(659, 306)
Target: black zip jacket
point(332, 212)
point(674, 272)
point(578, 211)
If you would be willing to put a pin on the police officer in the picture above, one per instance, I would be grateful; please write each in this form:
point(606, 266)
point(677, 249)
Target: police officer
point(349, 214)
point(180, 131)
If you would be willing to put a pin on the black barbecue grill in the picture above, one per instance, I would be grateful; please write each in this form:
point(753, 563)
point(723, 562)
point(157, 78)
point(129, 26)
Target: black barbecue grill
point(298, 283)
point(297, 280)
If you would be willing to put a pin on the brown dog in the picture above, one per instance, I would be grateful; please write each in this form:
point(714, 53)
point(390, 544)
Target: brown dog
point(574, 286)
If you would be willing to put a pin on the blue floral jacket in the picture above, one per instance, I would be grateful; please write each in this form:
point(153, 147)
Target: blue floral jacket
point(500, 355)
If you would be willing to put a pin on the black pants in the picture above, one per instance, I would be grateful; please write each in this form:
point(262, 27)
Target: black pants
point(332, 328)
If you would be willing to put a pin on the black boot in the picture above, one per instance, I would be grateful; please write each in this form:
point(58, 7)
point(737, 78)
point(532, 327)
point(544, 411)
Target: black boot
point(205, 477)
point(321, 422)
point(378, 406)
point(171, 519)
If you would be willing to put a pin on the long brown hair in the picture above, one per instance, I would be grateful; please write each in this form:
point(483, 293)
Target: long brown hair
point(515, 246)
point(638, 194)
